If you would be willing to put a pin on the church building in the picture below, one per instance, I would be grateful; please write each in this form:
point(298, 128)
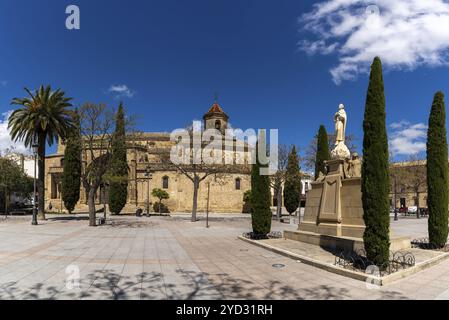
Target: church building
point(148, 170)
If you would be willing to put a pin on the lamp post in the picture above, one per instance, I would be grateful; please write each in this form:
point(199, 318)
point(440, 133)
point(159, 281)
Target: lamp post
point(208, 202)
point(148, 175)
point(35, 151)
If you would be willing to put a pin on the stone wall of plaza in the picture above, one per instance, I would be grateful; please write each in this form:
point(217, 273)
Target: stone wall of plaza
point(149, 150)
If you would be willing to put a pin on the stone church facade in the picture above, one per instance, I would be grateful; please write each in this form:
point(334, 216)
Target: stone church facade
point(146, 154)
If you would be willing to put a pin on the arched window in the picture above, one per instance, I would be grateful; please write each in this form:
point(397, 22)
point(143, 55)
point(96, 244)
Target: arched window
point(238, 184)
point(165, 181)
point(218, 125)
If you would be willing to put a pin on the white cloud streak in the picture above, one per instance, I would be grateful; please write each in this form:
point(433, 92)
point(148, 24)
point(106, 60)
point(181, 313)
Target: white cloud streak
point(407, 139)
point(5, 139)
point(406, 34)
point(121, 90)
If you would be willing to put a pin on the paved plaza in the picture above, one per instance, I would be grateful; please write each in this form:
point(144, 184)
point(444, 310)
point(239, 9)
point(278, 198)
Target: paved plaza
point(172, 258)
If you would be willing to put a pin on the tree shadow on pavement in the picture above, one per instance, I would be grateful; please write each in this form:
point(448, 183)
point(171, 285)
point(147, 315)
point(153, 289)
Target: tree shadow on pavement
point(67, 218)
point(180, 285)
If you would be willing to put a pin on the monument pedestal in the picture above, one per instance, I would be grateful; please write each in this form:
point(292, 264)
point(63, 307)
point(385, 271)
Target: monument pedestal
point(333, 216)
point(342, 243)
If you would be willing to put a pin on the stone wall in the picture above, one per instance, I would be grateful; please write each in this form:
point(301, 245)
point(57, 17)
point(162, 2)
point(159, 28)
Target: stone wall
point(148, 150)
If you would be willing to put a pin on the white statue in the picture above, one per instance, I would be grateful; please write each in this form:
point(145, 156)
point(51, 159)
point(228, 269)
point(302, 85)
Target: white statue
point(340, 119)
point(340, 151)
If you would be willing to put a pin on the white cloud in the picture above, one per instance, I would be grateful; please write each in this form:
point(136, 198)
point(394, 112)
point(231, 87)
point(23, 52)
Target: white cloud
point(121, 90)
point(404, 33)
point(407, 139)
point(5, 139)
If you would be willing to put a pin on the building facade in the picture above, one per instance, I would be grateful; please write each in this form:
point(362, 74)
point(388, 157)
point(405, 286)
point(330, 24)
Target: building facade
point(148, 152)
point(408, 184)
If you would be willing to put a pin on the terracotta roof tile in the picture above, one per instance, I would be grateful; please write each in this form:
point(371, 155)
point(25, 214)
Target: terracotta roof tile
point(215, 109)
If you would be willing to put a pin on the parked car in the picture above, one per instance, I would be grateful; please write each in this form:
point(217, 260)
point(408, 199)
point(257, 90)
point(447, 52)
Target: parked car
point(412, 209)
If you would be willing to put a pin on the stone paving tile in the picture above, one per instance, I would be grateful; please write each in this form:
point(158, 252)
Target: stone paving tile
point(172, 258)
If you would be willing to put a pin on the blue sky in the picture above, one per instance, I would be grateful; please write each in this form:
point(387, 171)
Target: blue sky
point(269, 60)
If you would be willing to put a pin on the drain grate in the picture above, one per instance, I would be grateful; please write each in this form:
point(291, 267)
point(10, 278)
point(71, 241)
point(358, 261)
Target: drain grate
point(278, 266)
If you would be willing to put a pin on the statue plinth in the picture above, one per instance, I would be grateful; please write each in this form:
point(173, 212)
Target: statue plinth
point(333, 206)
point(341, 151)
point(334, 212)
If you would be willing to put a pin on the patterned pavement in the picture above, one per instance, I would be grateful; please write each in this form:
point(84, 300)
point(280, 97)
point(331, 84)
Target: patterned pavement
point(172, 258)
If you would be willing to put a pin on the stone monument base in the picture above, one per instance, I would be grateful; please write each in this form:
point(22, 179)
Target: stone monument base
point(333, 217)
point(340, 243)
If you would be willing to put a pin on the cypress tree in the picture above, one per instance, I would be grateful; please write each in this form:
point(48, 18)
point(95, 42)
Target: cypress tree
point(292, 186)
point(118, 177)
point(322, 151)
point(261, 214)
point(437, 173)
point(71, 177)
point(375, 178)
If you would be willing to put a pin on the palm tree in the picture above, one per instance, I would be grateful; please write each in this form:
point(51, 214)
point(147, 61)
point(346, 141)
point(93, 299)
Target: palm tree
point(43, 118)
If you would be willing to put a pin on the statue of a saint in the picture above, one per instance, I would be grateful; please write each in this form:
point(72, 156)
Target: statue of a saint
point(340, 119)
point(340, 151)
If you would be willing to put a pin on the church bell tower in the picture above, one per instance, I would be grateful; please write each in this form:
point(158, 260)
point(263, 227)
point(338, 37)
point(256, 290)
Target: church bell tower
point(216, 118)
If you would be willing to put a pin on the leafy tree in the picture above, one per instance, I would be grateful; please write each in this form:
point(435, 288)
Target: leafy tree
point(118, 171)
point(437, 173)
point(71, 178)
point(260, 199)
point(293, 187)
point(161, 195)
point(43, 118)
point(375, 173)
point(12, 179)
point(322, 152)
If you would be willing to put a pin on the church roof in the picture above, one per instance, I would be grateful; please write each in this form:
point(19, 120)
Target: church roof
point(216, 109)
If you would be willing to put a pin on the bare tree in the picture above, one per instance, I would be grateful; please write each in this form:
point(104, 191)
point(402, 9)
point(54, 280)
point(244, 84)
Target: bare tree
point(198, 169)
point(96, 122)
point(277, 180)
point(310, 151)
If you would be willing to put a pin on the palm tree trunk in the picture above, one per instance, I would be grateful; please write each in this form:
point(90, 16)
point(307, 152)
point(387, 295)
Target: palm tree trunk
point(196, 184)
point(41, 176)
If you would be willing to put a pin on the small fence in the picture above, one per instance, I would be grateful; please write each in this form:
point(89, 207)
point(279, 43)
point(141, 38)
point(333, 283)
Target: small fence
point(357, 261)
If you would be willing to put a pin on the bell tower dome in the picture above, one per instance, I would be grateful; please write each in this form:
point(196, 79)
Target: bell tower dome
point(216, 118)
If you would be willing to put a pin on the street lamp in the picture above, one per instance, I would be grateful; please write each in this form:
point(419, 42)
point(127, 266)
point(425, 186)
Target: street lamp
point(396, 218)
point(35, 152)
point(149, 176)
point(208, 202)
